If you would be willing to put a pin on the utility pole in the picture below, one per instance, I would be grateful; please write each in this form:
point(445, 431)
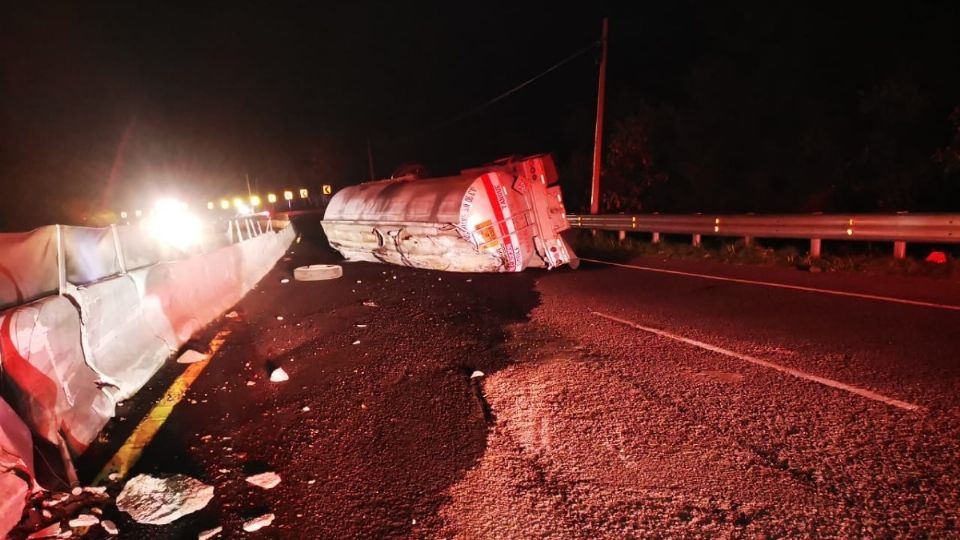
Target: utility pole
point(598, 136)
point(370, 158)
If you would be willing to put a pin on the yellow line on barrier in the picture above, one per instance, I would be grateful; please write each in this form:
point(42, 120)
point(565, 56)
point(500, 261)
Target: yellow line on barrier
point(128, 454)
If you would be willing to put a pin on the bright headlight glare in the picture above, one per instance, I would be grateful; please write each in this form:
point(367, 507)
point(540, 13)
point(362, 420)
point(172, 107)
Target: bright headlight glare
point(172, 224)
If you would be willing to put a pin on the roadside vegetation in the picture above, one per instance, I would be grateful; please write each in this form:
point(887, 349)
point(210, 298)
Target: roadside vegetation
point(869, 257)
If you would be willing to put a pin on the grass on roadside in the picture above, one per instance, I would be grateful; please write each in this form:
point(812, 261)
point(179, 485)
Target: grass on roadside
point(861, 258)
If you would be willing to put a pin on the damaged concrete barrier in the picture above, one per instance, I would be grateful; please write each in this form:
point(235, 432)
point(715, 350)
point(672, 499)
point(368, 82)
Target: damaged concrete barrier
point(46, 376)
point(68, 359)
point(16, 467)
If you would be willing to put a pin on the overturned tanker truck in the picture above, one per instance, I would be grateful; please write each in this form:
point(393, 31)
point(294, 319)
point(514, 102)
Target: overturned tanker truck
point(504, 217)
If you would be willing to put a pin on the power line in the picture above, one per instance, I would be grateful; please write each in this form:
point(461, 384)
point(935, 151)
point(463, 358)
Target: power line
point(502, 96)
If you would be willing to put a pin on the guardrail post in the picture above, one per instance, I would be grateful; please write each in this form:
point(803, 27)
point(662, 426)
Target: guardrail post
point(899, 249)
point(814, 248)
point(236, 223)
point(696, 240)
point(656, 238)
point(622, 236)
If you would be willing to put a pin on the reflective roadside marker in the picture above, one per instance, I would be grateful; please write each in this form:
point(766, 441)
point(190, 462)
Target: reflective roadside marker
point(303, 193)
point(288, 195)
point(271, 197)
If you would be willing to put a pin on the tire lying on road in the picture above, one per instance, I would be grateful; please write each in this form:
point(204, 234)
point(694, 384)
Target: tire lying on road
point(316, 272)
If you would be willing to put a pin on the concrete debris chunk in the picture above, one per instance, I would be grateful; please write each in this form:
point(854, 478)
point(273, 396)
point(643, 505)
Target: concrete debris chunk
point(258, 523)
point(96, 490)
point(250, 383)
point(370, 303)
point(231, 315)
point(357, 342)
point(284, 280)
point(279, 375)
point(267, 480)
point(209, 533)
point(191, 356)
point(317, 272)
point(305, 409)
point(477, 374)
point(49, 531)
point(279, 317)
point(158, 501)
point(84, 520)
point(109, 527)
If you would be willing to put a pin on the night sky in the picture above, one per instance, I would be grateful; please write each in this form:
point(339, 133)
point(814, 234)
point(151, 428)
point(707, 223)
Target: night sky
point(107, 105)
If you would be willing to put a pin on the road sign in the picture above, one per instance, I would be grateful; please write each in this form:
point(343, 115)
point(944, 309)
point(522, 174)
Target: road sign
point(327, 189)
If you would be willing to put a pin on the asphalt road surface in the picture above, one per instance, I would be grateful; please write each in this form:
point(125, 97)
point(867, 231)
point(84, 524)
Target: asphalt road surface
point(614, 402)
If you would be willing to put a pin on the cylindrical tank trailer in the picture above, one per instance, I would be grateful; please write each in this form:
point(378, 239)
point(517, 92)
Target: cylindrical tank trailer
point(500, 218)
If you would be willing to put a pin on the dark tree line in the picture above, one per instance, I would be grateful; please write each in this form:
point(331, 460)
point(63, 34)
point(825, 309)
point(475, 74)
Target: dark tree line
point(795, 110)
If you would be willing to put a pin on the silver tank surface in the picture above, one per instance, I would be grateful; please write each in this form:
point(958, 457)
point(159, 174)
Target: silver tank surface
point(501, 218)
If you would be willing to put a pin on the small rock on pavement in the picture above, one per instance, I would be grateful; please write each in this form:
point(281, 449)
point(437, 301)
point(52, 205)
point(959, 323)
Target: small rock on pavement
point(279, 317)
point(231, 315)
point(267, 480)
point(209, 533)
point(84, 520)
point(109, 527)
point(476, 374)
point(284, 280)
point(258, 523)
point(370, 303)
point(191, 357)
point(279, 375)
point(357, 342)
point(158, 501)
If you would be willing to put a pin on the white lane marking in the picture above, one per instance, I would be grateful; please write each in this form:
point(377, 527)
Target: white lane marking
point(783, 286)
point(869, 394)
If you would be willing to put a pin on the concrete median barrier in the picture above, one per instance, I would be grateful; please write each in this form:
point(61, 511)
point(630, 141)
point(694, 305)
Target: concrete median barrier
point(67, 360)
point(28, 267)
point(16, 467)
point(46, 377)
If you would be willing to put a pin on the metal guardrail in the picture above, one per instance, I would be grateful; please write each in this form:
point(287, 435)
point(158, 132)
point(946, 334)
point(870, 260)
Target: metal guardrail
point(896, 228)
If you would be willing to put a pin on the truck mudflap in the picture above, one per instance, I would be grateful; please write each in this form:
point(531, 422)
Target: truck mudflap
point(501, 218)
